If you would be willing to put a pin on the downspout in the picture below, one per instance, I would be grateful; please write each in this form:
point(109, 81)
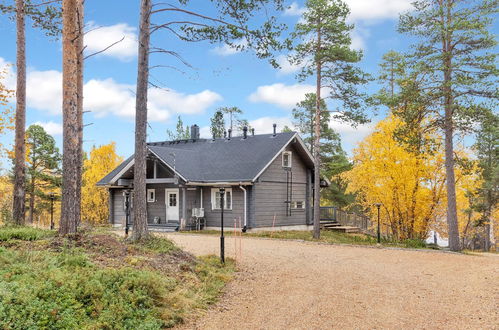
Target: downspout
point(201, 198)
point(245, 209)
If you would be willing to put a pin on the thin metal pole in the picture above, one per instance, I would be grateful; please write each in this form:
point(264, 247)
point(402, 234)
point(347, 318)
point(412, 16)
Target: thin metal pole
point(222, 238)
point(379, 233)
point(51, 212)
point(127, 212)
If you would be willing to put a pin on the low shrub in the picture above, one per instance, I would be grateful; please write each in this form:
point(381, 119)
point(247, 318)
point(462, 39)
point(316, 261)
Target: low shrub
point(64, 289)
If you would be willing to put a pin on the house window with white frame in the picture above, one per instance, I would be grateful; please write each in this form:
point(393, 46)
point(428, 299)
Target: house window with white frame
point(151, 195)
point(216, 199)
point(286, 159)
point(298, 205)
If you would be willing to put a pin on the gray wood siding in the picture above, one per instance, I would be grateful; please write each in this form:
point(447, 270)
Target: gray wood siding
point(269, 194)
point(118, 209)
point(212, 217)
point(158, 207)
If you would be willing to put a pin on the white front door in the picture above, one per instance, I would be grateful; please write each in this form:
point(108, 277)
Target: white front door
point(171, 200)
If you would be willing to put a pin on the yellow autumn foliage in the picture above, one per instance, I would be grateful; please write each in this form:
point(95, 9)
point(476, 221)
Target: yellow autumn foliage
point(95, 200)
point(410, 186)
point(6, 112)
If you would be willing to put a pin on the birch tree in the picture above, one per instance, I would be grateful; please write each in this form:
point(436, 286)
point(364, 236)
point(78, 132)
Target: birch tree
point(224, 21)
point(455, 63)
point(326, 55)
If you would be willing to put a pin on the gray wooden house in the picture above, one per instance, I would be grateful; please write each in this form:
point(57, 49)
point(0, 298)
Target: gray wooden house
point(267, 180)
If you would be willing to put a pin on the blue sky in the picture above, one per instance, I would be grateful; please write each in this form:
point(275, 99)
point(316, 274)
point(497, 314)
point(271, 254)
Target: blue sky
point(220, 75)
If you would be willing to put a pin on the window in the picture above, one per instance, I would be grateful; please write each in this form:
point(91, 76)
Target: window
point(172, 200)
point(286, 159)
point(151, 195)
point(216, 199)
point(299, 205)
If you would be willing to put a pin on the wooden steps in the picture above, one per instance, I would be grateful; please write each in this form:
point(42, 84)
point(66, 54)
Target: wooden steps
point(336, 226)
point(345, 229)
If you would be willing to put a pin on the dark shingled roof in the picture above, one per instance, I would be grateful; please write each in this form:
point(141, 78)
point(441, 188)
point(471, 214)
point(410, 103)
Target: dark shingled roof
point(221, 160)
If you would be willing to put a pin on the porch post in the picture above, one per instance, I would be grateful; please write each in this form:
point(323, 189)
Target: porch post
point(111, 206)
point(184, 193)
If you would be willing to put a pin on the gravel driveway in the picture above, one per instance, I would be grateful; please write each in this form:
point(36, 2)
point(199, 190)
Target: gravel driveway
point(304, 285)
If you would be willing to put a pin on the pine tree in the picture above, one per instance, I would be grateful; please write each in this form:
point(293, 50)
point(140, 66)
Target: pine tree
point(180, 132)
point(326, 54)
point(45, 16)
point(488, 157)
point(43, 166)
point(217, 126)
point(233, 113)
point(456, 70)
point(333, 158)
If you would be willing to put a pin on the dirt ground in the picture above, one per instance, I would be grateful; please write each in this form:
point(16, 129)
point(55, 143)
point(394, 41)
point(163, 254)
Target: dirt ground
point(304, 285)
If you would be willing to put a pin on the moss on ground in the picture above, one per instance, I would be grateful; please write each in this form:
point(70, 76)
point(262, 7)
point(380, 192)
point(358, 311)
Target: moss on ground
point(101, 281)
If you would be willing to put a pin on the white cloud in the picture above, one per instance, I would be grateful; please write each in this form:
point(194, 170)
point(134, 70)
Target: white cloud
point(359, 36)
point(9, 79)
point(108, 97)
point(44, 91)
point(261, 125)
point(294, 10)
point(264, 125)
point(350, 135)
point(364, 13)
point(377, 9)
point(100, 37)
point(285, 66)
point(284, 96)
point(50, 127)
point(104, 97)
point(182, 103)
point(226, 50)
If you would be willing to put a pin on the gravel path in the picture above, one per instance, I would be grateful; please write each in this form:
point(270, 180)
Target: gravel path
point(304, 285)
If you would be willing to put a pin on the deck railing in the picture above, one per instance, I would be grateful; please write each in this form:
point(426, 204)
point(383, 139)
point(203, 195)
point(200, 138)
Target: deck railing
point(344, 218)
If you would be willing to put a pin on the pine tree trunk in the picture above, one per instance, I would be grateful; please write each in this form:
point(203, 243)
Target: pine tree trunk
point(80, 113)
point(140, 206)
point(317, 139)
point(72, 30)
point(452, 225)
point(18, 211)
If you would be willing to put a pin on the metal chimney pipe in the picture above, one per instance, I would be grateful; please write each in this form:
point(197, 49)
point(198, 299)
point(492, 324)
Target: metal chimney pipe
point(275, 126)
point(245, 132)
point(230, 133)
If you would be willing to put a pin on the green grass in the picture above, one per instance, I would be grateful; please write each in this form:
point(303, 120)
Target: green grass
point(8, 233)
point(327, 236)
point(157, 245)
point(68, 287)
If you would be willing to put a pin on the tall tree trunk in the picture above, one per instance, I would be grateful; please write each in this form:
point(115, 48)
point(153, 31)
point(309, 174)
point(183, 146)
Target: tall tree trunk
point(18, 211)
point(317, 139)
point(140, 205)
point(72, 30)
point(80, 110)
point(453, 228)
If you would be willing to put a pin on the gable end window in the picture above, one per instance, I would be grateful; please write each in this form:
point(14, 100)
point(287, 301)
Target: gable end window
point(216, 199)
point(151, 195)
point(286, 159)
